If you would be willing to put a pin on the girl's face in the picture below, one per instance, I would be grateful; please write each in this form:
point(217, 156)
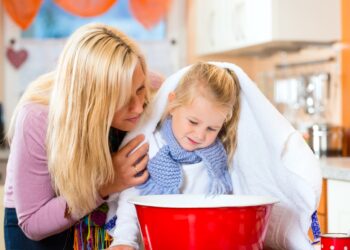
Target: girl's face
point(128, 116)
point(197, 125)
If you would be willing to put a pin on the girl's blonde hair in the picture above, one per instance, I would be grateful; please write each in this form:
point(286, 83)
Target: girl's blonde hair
point(93, 79)
point(219, 85)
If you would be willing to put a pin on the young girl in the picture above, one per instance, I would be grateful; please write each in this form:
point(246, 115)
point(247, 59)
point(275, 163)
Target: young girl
point(191, 148)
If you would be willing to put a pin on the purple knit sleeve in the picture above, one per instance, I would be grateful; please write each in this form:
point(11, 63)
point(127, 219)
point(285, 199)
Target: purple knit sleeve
point(40, 212)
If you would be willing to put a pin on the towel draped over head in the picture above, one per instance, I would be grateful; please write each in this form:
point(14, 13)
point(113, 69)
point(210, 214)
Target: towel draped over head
point(271, 159)
point(165, 167)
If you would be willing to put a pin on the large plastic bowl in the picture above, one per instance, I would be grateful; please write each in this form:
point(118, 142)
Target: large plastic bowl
point(199, 222)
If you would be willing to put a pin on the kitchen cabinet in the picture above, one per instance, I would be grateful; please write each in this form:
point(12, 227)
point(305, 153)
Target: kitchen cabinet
point(338, 214)
point(253, 26)
point(322, 208)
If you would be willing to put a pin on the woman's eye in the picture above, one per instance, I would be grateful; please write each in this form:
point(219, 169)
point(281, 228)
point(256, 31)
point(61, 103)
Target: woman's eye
point(193, 122)
point(140, 90)
point(211, 129)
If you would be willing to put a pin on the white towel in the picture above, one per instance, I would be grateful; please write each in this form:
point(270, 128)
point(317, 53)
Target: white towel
point(271, 159)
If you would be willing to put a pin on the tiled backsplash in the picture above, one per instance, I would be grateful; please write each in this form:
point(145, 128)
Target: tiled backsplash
point(305, 86)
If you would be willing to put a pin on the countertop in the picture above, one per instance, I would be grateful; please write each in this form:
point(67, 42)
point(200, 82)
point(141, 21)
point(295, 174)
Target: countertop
point(337, 168)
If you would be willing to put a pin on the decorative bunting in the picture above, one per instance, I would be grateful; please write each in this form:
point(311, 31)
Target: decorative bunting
point(149, 12)
point(85, 8)
point(22, 12)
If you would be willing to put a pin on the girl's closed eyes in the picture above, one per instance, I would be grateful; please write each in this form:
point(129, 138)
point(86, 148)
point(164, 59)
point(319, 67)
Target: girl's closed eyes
point(193, 123)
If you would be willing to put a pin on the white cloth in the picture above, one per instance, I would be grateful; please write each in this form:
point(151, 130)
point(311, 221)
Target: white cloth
point(126, 231)
point(271, 159)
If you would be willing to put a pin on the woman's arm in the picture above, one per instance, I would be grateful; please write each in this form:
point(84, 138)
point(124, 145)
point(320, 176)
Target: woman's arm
point(40, 213)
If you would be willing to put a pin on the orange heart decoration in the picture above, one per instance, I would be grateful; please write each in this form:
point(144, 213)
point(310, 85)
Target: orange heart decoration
point(149, 12)
point(85, 8)
point(22, 12)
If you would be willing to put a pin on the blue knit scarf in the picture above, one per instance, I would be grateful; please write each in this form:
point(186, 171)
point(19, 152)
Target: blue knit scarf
point(165, 169)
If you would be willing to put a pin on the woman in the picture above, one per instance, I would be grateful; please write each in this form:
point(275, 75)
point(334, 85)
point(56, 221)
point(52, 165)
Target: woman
point(64, 134)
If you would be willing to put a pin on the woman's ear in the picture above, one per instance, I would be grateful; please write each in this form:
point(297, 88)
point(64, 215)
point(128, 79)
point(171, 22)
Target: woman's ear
point(171, 96)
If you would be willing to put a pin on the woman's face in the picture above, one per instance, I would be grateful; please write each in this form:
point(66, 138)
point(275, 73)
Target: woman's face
point(128, 116)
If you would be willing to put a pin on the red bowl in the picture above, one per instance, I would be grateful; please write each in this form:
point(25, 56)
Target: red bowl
point(203, 222)
point(335, 241)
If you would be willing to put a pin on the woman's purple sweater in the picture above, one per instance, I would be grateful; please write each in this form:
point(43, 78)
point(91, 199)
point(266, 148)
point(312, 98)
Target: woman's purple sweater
point(28, 186)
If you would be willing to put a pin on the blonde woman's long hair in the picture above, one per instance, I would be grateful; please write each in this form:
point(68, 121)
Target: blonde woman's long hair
point(93, 79)
point(221, 86)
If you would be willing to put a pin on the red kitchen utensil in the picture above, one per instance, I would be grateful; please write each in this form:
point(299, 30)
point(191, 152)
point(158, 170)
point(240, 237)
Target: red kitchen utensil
point(203, 222)
point(335, 241)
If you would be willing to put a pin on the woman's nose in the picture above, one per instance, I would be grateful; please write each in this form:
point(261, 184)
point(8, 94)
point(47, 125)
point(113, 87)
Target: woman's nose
point(136, 105)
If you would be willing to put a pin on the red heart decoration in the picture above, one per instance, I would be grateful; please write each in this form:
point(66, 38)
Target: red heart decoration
point(16, 58)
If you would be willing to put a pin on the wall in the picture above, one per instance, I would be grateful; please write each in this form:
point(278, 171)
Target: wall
point(11, 78)
point(164, 56)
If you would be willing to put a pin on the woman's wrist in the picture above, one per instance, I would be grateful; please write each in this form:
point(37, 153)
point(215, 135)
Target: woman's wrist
point(109, 189)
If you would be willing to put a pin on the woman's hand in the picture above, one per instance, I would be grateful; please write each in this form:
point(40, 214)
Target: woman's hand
point(130, 168)
point(121, 247)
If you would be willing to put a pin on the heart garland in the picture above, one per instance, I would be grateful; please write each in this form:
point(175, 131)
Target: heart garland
point(16, 57)
point(147, 12)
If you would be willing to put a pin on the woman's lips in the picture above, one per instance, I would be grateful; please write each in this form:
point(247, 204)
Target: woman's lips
point(134, 119)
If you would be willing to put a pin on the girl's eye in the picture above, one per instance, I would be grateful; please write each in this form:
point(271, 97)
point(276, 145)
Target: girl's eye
point(211, 129)
point(193, 122)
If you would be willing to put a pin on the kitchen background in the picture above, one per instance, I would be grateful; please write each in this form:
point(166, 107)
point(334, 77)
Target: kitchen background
point(297, 52)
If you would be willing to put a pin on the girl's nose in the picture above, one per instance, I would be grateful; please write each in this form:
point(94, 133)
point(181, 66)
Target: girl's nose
point(200, 134)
